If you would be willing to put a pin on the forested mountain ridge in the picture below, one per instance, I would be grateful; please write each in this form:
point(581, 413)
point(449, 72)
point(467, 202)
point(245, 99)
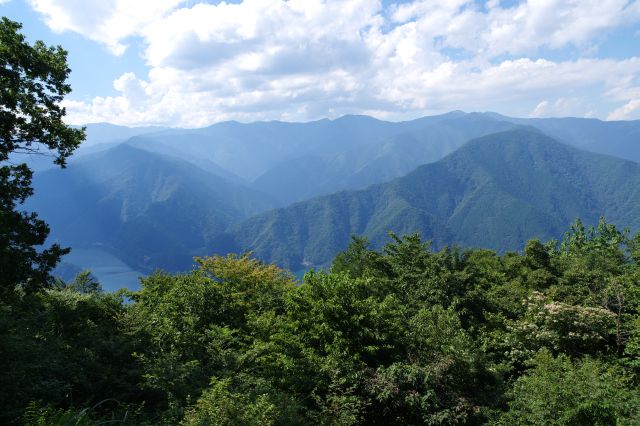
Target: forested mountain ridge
point(617, 138)
point(149, 209)
point(382, 158)
point(250, 149)
point(496, 191)
point(296, 161)
point(291, 162)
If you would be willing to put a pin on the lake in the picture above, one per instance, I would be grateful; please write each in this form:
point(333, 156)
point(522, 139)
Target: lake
point(112, 272)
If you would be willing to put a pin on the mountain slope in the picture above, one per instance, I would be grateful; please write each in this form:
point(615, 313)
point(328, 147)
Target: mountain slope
point(496, 191)
point(389, 156)
point(101, 133)
point(617, 138)
point(99, 136)
point(296, 161)
point(149, 210)
point(250, 149)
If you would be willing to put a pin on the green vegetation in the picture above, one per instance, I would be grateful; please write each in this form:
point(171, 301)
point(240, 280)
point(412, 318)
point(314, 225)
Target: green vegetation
point(33, 85)
point(495, 192)
point(406, 335)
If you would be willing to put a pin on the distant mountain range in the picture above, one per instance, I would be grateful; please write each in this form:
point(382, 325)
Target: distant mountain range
point(155, 197)
point(297, 161)
point(496, 191)
point(99, 136)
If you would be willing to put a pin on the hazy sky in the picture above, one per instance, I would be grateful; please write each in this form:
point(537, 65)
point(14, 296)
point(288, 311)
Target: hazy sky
point(193, 63)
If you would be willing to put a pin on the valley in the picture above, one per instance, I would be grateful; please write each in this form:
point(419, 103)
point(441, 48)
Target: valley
point(294, 193)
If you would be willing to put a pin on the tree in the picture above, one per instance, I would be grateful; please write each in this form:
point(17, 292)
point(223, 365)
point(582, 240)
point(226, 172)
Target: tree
point(33, 80)
point(358, 259)
point(559, 391)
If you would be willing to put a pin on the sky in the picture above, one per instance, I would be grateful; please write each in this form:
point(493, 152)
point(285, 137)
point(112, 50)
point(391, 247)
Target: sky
point(189, 63)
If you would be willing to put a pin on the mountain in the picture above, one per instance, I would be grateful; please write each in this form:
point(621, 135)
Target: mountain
point(176, 148)
point(101, 133)
point(496, 191)
point(267, 164)
point(99, 136)
point(411, 144)
point(147, 209)
point(296, 161)
point(617, 138)
point(250, 149)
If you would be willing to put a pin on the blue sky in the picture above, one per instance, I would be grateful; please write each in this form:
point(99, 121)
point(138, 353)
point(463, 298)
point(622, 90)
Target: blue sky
point(193, 63)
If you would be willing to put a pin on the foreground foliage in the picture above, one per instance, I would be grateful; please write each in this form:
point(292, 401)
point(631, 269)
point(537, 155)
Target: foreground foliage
point(402, 336)
point(33, 80)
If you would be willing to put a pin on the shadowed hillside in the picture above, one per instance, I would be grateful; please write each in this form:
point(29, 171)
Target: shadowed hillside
point(148, 209)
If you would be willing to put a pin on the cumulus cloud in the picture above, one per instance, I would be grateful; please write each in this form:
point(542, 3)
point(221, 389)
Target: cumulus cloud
point(563, 107)
point(109, 22)
point(493, 29)
point(305, 59)
point(625, 111)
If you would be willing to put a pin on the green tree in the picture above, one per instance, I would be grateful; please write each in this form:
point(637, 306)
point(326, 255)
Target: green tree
point(196, 326)
point(84, 282)
point(557, 391)
point(33, 80)
point(358, 260)
point(560, 328)
point(65, 349)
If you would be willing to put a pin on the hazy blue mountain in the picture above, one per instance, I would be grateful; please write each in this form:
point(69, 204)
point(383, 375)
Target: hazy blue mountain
point(618, 138)
point(177, 150)
point(115, 180)
point(249, 150)
point(496, 191)
point(99, 133)
point(414, 143)
point(147, 209)
point(296, 161)
point(99, 137)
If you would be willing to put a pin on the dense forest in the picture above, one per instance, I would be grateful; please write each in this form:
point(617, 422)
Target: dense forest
point(406, 335)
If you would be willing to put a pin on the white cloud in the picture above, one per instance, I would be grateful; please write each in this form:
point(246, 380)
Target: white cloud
point(626, 111)
point(562, 107)
point(521, 29)
point(553, 23)
point(305, 59)
point(109, 22)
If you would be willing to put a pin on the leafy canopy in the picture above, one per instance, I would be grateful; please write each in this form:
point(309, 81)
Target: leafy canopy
point(33, 80)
